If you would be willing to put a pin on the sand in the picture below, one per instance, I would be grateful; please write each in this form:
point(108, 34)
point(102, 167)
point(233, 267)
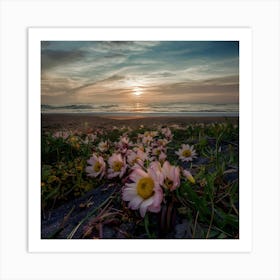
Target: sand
point(85, 121)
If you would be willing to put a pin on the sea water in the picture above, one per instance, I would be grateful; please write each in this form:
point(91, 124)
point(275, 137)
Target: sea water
point(144, 109)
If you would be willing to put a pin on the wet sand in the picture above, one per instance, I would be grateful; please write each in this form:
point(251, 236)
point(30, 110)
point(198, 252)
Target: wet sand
point(85, 121)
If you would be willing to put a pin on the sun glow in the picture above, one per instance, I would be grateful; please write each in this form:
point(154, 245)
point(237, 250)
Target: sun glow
point(137, 91)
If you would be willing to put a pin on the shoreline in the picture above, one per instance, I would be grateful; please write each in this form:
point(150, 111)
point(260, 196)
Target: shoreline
point(149, 114)
point(85, 121)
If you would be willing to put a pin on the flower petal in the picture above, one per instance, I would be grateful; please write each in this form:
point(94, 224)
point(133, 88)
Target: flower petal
point(158, 196)
point(135, 202)
point(144, 206)
point(89, 169)
point(130, 185)
point(128, 194)
point(137, 174)
point(154, 209)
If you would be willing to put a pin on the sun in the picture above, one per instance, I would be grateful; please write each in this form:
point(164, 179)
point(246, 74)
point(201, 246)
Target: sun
point(137, 91)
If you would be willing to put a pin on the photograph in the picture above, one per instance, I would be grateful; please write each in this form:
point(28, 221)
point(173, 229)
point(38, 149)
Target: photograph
point(139, 139)
point(139, 132)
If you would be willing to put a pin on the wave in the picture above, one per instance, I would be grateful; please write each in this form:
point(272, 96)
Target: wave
point(73, 106)
point(141, 108)
point(109, 106)
point(77, 106)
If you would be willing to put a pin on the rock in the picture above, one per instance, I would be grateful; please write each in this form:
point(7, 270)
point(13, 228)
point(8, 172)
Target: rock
point(63, 220)
point(183, 230)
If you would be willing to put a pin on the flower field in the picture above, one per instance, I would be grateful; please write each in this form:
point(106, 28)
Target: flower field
point(162, 182)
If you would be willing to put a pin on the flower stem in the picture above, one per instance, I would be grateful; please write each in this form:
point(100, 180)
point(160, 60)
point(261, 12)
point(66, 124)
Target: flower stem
point(146, 223)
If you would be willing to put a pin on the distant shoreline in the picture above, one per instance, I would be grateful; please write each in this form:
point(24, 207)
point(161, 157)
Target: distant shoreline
point(87, 121)
point(152, 114)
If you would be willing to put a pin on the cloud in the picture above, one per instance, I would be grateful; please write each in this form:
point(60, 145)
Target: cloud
point(210, 90)
point(227, 80)
point(53, 58)
point(162, 74)
point(107, 82)
point(55, 85)
point(110, 70)
point(120, 46)
point(215, 85)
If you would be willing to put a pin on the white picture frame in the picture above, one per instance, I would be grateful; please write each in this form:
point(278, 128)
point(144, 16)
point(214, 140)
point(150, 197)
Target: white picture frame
point(243, 35)
point(261, 261)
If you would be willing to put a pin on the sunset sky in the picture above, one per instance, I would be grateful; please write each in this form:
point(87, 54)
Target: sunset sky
point(138, 71)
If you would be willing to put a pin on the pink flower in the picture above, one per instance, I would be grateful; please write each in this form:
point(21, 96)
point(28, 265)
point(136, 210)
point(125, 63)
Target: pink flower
point(124, 140)
point(162, 157)
point(186, 153)
point(171, 176)
point(90, 138)
point(97, 166)
point(157, 169)
point(147, 139)
point(156, 151)
point(123, 145)
point(136, 158)
point(61, 134)
point(144, 193)
point(117, 166)
point(140, 146)
point(167, 133)
point(162, 142)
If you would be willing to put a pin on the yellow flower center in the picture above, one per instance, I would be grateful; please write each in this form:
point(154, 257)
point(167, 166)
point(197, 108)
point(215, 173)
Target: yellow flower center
point(135, 160)
point(117, 166)
point(168, 183)
point(97, 166)
point(186, 153)
point(145, 187)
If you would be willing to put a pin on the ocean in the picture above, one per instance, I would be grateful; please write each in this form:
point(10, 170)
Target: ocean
point(142, 109)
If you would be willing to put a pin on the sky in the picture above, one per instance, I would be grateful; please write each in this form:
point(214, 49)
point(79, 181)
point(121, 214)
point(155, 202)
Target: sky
point(103, 72)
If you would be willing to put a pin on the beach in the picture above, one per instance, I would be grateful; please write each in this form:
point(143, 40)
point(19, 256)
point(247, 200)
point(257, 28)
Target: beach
point(88, 162)
point(85, 121)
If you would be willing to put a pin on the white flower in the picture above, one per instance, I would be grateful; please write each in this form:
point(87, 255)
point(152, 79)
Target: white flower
point(90, 138)
point(144, 193)
point(162, 142)
point(156, 151)
point(103, 146)
point(117, 166)
point(152, 133)
point(186, 153)
point(97, 166)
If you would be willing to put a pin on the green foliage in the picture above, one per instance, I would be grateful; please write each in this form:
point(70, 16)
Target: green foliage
point(210, 205)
